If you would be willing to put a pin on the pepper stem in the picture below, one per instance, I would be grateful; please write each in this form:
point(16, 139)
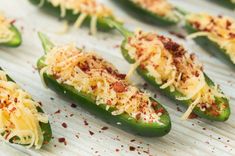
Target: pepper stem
point(46, 43)
point(126, 33)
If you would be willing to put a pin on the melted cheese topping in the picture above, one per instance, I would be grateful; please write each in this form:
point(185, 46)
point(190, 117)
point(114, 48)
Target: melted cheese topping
point(172, 67)
point(90, 74)
point(19, 118)
point(159, 7)
point(218, 29)
point(5, 33)
point(83, 7)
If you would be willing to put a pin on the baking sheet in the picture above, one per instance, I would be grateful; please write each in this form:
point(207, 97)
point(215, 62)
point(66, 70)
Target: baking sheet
point(192, 137)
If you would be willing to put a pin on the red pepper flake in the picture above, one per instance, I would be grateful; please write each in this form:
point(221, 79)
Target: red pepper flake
point(192, 116)
point(62, 140)
point(91, 133)
point(58, 111)
point(104, 128)
point(119, 87)
point(71, 115)
point(77, 136)
point(154, 104)
point(131, 148)
point(117, 150)
point(132, 140)
point(85, 123)
point(204, 128)
point(64, 125)
point(178, 109)
point(73, 105)
point(40, 103)
point(160, 110)
point(13, 21)
point(179, 35)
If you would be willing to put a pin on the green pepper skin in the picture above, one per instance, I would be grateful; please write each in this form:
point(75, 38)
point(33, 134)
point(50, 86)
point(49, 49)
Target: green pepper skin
point(225, 3)
point(147, 15)
point(87, 101)
point(224, 115)
point(45, 127)
point(70, 16)
point(16, 40)
point(210, 46)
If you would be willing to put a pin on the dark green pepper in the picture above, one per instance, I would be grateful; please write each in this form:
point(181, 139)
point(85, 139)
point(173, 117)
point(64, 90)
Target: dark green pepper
point(148, 15)
point(16, 40)
point(45, 127)
point(221, 102)
point(70, 16)
point(87, 101)
point(210, 46)
point(226, 3)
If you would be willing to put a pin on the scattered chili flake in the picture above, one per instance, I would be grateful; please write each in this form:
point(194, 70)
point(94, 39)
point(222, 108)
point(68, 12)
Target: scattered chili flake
point(73, 105)
point(178, 109)
point(160, 110)
point(131, 148)
point(77, 136)
point(64, 125)
point(204, 128)
point(40, 103)
point(119, 87)
point(117, 150)
point(132, 140)
point(179, 35)
point(62, 140)
point(13, 21)
point(85, 123)
point(91, 133)
point(104, 128)
point(57, 112)
point(192, 116)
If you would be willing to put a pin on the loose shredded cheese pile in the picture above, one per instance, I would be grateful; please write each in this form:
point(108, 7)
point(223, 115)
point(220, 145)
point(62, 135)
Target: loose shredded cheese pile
point(159, 7)
point(90, 74)
point(5, 33)
point(84, 8)
point(218, 29)
point(173, 67)
point(19, 118)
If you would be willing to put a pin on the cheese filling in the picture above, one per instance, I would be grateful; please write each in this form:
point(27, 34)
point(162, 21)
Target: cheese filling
point(84, 8)
point(173, 67)
point(5, 33)
point(90, 74)
point(159, 7)
point(19, 118)
point(218, 29)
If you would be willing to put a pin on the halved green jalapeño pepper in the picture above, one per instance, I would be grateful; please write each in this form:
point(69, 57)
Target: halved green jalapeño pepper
point(87, 101)
point(71, 16)
point(16, 39)
point(221, 102)
point(226, 3)
point(151, 16)
point(45, 127)
point(210, 46)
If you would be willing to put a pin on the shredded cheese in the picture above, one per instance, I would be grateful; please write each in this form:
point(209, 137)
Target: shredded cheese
point(218, 29)
point(5, 33)
point(171, 66)
point(19, 118)
point(159, 7)
point(90, 74)
point(84, 8)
